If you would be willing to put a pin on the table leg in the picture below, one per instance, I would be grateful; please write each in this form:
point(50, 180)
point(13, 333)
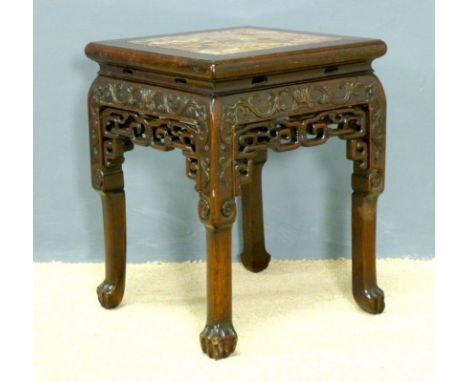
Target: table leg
point(107, 179)
point(368, 184)
point(217, 211)
point(365, 290)
point(254, 255)
point(110, 292)
point(218, 338)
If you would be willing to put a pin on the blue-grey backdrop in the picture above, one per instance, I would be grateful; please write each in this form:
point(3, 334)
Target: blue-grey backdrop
point(306, 192)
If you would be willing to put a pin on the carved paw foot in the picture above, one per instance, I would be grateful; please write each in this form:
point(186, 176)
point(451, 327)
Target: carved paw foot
point(109, 295)
point(255, 263)
point(218, 340)
point(372, 300)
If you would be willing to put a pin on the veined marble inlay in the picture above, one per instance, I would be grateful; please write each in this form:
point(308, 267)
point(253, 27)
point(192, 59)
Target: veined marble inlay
point(231, 41)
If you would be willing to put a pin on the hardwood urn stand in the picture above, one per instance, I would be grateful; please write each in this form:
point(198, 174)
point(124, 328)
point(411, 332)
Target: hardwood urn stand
point(223, 97)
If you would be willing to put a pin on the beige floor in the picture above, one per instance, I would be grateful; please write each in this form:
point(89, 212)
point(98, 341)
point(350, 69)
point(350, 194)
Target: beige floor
point(296, 321)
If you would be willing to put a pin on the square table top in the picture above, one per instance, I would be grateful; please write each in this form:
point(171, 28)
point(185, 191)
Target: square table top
point(234, 52)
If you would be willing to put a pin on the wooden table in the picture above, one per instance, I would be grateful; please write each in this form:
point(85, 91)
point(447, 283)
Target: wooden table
point(223, 97)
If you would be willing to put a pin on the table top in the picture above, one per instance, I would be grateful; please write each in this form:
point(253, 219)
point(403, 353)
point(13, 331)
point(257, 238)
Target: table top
point(234, 52)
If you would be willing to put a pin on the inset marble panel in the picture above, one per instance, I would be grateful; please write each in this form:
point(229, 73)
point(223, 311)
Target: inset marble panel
point(236, 40)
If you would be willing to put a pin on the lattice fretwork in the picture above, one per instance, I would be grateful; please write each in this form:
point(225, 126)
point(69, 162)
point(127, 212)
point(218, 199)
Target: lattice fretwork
point(123, 129)
point(290, 133)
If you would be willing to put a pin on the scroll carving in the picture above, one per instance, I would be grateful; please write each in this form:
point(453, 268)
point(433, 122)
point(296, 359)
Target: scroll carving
point(123, 114)
point(123, 129)
point(307, 115)
point(286, 134)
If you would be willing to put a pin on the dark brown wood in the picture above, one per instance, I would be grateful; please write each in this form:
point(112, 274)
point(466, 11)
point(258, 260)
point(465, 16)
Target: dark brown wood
point(217, 211)
point(111, 291)
point(224, 111)
point(215, 74)
point(218, 67)
point(218, 339)
point(254, 255)
point(365, 290)
point(107, 179)
point(368, 184)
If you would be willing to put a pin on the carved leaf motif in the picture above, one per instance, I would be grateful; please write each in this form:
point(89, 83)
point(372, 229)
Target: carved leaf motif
point(272, 118)
point(144, 97)
point(148, 116)
point(282, 118)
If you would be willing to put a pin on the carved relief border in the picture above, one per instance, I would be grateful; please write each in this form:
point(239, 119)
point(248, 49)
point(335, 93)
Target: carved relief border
point(123, 114)
point(286, 110)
